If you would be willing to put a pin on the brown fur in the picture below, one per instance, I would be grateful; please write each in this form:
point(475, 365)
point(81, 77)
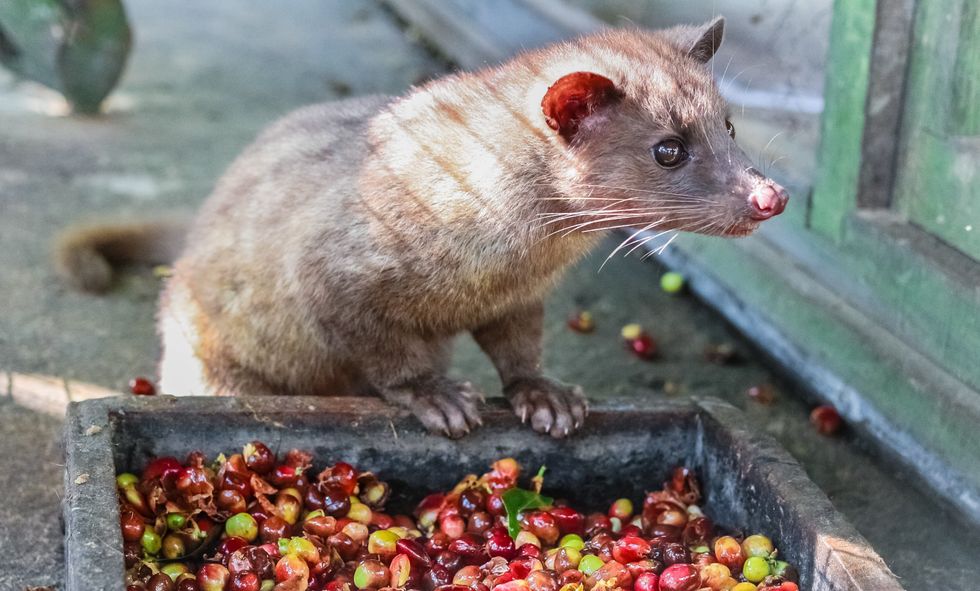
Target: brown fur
point(344, 249)
point(84, 255)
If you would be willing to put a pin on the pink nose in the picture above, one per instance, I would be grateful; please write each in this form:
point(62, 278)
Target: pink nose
point(766, 201)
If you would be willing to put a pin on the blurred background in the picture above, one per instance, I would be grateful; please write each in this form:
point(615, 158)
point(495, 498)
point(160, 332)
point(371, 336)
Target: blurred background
point(864, 295)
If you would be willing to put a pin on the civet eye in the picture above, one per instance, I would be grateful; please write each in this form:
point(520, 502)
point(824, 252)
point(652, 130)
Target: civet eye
point(669, 153)
point(730, 128)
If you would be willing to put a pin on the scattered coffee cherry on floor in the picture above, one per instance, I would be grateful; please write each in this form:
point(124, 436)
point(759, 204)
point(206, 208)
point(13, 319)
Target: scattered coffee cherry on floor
point(672, 282)
point(826, 419)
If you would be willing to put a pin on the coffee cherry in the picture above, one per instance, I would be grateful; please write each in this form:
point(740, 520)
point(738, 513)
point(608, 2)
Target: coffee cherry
point(371, 574)
point(336, 502)
point(132, 525)
point(344, 475)
point(697, 532)
point(543, 525)
point(373, 493)
point(495, 505)
point(237, 482)
point(242, 525)
point(513, 585)
point(244, 581)
point(757, 545)
point(176, 521)
point(231, 500)
point(672, 282)
point(581, 321)
point(630, 549)
point(288, 506)
point(415, 552)
point(142, 387)
point(639, 342)
point(589, 564)
point(401, 570)
point(361, 513)
point(468, 546)
point(284, 475)
point(571, 541)
point(151, 542)
point(680, 577)
point(383, 543)
point(291, 567)
point(479, 522)
point(231, 544)
point(470, 501)
point(755, 569)
point(621, 509)
point(526, 537)
point(274, 528)
point(729, 552)
point(173, 546)
point(541, 580)
point(569, 520)
point(643, 347)
point(567, 558)
point(160, 468)
point(258, 457)
point(436, 576)
point(646, 582)
point(304, 549)
point(320, 525)
point(452, 525)
point(193, 481)
point(674, 553)
point(160, 582)
point(715, 574)
point(356, 531)
point(826, 420)
point(212, 577)
point(450, 560)
point(499, 543)
point(529, 551)
point(126, 479)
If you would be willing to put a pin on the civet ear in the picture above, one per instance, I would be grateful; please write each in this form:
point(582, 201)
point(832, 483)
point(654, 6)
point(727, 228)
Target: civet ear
point(708, 40)
point(573, 98)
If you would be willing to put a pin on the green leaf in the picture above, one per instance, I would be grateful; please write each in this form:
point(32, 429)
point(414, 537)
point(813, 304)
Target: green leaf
point(517, 500)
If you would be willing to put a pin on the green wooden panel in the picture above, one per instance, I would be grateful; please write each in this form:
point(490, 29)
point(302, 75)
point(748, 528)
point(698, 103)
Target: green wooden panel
point(899, 385)
point(938, 184)
point(842, 129)
point(966, 75)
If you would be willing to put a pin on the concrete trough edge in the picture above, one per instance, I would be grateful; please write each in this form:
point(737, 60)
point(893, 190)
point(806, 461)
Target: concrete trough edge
point(843, 559)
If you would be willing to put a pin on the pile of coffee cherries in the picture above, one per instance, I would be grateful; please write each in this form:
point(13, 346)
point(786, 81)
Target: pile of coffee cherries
point(252, 522)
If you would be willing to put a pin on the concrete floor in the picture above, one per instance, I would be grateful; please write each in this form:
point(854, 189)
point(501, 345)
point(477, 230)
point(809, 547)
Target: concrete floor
point(203, 79)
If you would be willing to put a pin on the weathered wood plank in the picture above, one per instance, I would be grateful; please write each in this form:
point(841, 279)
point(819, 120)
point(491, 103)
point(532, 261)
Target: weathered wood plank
point(51, 395)
point(938, 184)
point(842, 128)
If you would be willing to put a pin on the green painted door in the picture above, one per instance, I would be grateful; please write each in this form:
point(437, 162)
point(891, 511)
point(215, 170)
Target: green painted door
point(938, 186)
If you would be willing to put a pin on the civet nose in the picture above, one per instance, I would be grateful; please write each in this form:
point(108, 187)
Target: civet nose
point(767, 200)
